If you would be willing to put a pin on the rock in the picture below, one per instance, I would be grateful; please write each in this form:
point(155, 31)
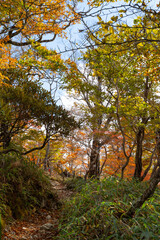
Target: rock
point(23, 238)
point(46, 226)
point(24, 228)
point(48, 217)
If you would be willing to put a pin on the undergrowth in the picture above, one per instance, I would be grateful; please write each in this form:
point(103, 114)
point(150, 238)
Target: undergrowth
point(91, 214)
point(75, 184)
point(23, 188)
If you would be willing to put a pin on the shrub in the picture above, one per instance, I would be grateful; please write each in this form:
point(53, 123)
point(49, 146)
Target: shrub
point(75, 184)
point(92, 213)
point(23, 187)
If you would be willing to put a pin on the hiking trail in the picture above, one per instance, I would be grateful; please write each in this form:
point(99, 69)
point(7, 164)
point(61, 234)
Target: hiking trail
point(41, 225)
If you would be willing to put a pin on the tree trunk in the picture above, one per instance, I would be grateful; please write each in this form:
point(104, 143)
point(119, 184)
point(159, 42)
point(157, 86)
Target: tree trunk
point(146, 195)
point(155, 179)
point(140, 135)
point(45, 161)
point(124, 166)
point(94, 166)
point(138, 157)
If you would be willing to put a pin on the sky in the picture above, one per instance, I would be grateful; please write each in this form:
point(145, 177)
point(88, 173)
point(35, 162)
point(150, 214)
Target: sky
point(76, 37)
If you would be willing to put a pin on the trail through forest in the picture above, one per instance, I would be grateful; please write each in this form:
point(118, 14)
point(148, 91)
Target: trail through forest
point(41, 225)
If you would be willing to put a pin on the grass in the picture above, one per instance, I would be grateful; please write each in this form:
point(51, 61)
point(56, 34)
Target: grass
point(92, 213)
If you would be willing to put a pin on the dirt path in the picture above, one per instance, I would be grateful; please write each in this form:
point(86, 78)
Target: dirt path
point(42, 225)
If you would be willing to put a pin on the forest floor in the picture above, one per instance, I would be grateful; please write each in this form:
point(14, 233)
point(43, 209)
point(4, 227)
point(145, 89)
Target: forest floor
point(41, 225)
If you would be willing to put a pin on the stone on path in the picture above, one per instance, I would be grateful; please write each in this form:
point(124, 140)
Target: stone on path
point(46, 226)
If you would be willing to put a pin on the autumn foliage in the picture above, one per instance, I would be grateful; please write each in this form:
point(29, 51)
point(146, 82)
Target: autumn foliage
point(112, 75)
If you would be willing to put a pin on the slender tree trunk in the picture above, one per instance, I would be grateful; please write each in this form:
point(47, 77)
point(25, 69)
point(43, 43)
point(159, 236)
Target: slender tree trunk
point(150, 164)
point(155, 179)
point(124, 166)
point(94, 167)
point(140, 135)
point(138, 157)
point(45, 161)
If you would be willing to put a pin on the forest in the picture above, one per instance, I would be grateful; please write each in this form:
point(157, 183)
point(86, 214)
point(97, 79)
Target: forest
point(79, 119)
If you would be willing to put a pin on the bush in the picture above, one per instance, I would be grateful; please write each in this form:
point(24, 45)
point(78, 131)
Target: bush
point(75, 184)
point(23, 187)
point(92, 214)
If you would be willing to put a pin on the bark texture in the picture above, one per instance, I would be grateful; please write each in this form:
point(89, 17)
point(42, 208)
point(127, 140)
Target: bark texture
point(94, 167)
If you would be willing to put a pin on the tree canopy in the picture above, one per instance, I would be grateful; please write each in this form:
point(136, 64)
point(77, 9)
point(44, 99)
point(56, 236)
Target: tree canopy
point(112, 73)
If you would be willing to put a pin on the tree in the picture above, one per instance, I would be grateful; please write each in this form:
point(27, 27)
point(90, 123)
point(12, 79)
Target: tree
point(25, 22)
point(74, 153)
point(155, 179)
point(131, 75)
point(40, 20)
point(25, 104)
point(96, 107)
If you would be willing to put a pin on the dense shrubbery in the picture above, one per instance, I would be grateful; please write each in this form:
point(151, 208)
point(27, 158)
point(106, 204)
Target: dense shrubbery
point(75, 184)
point(23, 187)
point(92, 213)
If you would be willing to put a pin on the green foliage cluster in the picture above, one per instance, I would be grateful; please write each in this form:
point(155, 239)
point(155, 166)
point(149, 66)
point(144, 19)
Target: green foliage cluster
point(93, 213)
point(75, 184)
point(23, 188)
point(26, 106)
